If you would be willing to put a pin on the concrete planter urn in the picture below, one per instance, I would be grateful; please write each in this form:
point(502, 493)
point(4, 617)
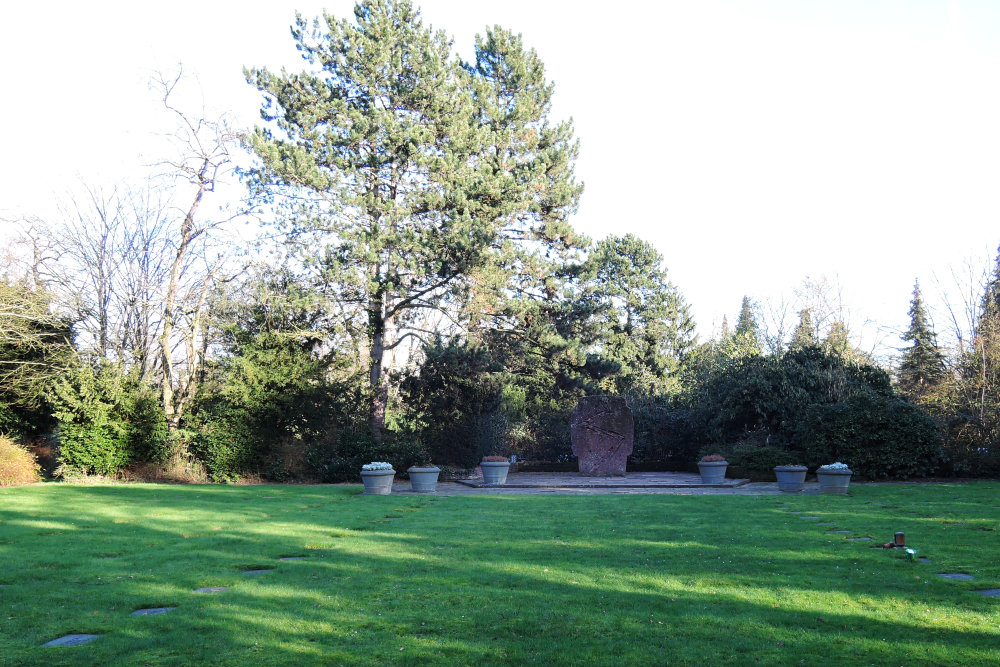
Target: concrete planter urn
point(713, 472)
point(834, 478)
point(791, 479)
point(424, 479)
point(495, 472)
point(377, 478)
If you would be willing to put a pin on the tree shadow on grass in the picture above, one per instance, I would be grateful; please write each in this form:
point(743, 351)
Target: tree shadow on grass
point(498, 580)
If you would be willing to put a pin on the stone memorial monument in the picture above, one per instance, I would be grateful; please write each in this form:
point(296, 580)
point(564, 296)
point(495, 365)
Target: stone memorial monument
point(602, 431)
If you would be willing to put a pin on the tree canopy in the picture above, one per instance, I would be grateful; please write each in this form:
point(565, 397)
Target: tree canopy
point(411, 176)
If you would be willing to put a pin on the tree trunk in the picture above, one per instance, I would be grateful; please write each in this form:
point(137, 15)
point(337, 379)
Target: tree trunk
point(377, 381)
point(169, 307)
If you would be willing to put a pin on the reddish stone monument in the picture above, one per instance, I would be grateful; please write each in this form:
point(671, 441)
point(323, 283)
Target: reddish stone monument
point(602, 431)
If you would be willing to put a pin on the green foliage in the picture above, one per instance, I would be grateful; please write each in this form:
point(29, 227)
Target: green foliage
point(966, 402)
point(410, 176)
point(757, 461)
point(811, 406)
point(17, 465)
point(746, 394)
point(644, 325)
point(922, 365)
point(278, 391)
point(805, 333)
point(343, 461)
point(878, 436)
point(106, 419)
point(35, 349)
point(663, 432)
point(458, 397)
point(748, 333)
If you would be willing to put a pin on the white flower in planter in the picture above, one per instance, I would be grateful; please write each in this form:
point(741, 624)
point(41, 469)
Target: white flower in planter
point(377, 465)
point(835, 466)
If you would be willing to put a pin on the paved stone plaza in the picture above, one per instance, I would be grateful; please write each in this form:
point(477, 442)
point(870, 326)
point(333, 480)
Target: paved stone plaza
point(569, 483)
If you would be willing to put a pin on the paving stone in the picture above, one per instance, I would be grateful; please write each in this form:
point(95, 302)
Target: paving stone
point(152, 611)
point(840, 532)
point(859, 539)
point(957, 576)
point(210, 589)
point(71, 640)
point(990, 592)
point(257, 571)
point(288, 558)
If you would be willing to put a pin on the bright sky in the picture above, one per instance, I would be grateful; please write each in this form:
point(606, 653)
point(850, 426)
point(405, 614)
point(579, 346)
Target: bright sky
point(753, 143)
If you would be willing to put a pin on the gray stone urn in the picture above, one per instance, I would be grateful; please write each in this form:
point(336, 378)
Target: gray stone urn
point(713, 472)
point(378, 482)
point(834, 481)
point(495, 472)
point(424, 479)
point(791, 479)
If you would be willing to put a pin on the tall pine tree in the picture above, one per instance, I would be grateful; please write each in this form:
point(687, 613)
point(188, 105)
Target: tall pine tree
point(922, 364)
point(407, 177)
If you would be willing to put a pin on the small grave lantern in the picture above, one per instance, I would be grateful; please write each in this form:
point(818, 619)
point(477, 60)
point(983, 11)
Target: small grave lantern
point(899, 540)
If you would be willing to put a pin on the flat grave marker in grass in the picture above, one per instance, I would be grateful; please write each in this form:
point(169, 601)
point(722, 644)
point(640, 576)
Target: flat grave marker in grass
point(840, 532)
point(956, 576)
point(288, 558)
point(71, 640)
point(258, 571)
point(211, 589)
point(152, 611)
point(990, 592)
point(859, 539)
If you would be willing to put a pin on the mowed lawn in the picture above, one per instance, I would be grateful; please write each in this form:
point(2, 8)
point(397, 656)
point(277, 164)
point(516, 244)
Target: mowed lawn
point(609, 579)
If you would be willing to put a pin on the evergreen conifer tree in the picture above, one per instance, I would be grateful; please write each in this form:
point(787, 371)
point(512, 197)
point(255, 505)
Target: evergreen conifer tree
point(922, 365)
point(409, 179)
point(805, 333)
point(645, 325)
point(747, 333)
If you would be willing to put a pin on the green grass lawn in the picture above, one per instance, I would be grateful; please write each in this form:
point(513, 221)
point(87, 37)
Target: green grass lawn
point(638, 579)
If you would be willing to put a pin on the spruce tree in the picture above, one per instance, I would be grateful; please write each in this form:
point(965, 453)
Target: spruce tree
point(409, 179)
point(747, 331)
point(922, 364)
point(645, 325)
point(805, 333)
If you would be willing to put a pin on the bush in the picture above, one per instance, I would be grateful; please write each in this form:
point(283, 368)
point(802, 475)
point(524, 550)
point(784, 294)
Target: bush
point(758, 461)
point(773, 393)
point(663, 432)
point(106, 419)
point(227, 445)
point(878, 436)
point(17, 464)
point(342, 462)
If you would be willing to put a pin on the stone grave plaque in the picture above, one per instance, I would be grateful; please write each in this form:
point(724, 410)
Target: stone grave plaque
point(602, 433)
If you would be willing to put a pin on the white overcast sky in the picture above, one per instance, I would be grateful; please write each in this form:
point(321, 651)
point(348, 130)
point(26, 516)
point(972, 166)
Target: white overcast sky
point(753, 143)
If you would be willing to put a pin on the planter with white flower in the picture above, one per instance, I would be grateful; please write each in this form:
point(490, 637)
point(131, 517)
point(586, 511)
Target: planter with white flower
point(834, 478)
point(377, 477)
